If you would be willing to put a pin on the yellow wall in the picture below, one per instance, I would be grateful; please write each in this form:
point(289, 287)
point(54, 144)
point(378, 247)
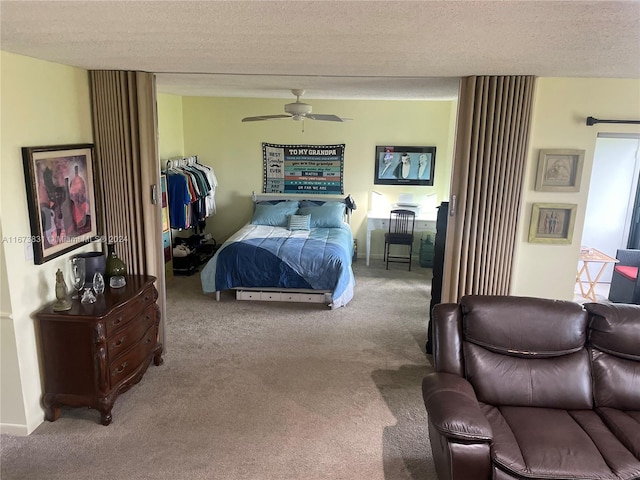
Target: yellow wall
point(213, 130)
point(170, 126)
point(42, 103)
point(560, 110)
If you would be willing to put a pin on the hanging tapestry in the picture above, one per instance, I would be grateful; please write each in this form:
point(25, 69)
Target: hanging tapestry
point(303, 168)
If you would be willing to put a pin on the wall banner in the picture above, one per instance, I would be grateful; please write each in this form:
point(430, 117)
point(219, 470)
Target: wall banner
point(303, 168)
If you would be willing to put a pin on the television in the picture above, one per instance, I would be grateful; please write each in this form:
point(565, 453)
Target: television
point(398, 165)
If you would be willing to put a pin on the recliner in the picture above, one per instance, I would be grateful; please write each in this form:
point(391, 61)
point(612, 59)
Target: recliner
point(530, 388)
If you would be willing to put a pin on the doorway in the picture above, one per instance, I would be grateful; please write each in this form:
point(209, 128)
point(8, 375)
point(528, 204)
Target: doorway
point(611, 219)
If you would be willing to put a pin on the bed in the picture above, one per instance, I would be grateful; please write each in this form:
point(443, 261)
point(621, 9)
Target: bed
point(294, 249)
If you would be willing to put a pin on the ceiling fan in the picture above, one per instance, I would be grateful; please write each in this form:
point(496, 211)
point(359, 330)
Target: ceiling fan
point(297, 111)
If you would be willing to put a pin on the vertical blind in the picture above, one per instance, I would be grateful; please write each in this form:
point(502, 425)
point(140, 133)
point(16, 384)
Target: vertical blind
point(122, 119)
point(125, 137)
point(489, 158)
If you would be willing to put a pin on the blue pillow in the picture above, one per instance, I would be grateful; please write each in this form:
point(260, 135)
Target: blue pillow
point(313, 203)
point(274, 215)
point(299, 222)
point(329, 215)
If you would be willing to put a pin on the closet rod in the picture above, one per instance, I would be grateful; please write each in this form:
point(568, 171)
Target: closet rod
point(592, 121)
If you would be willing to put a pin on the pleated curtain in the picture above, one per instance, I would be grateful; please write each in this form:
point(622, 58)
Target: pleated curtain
point(125, 137)
point(487, 180)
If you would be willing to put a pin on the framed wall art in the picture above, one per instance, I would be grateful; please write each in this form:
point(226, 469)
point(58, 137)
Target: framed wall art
point(61, 198)
point(559, 170)
point(397, 165)
point(303, 168)
point(552, 222)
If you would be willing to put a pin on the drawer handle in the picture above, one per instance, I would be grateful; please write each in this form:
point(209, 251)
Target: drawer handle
point(119, 342)
point(120, 369)
point(117, 321)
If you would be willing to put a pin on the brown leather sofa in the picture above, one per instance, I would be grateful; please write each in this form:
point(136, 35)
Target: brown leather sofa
point(529, 388)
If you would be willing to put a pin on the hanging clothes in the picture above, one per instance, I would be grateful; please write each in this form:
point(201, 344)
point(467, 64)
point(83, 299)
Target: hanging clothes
point(191, 190)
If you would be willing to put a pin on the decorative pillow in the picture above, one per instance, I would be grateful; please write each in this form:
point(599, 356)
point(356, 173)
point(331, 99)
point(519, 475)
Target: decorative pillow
point(271, 202)
point(299, 222)
point(313, 203)
point(274, 215)
point(329, 215)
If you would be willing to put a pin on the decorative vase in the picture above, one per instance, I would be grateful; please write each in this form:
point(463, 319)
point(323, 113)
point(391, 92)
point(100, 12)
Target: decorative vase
point(114, 267)
point(95, 262)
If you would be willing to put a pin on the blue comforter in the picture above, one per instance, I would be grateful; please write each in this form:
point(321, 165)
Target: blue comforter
point(260, 256)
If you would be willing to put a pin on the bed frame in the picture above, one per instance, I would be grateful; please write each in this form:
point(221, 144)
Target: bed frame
point(298, 295)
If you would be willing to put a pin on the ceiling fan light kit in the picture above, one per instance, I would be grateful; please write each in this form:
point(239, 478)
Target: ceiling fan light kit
point(297, 111)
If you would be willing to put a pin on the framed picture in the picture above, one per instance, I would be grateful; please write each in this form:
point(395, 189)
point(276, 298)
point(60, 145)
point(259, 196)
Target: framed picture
point(404, 165)
point(559, 170)
point(61, 198)
point(552, 222)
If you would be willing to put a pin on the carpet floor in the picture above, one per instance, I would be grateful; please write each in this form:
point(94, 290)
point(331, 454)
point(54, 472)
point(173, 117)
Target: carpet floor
point(256, 390)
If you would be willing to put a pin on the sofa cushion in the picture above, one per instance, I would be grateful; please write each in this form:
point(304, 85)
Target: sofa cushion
point(624, 425)
point(562, 382)
point(526, 351)
point(524, 326)
point(616, 381)
point(551, 443)
point(615, 328)
point(628, 272)
point(614, 339)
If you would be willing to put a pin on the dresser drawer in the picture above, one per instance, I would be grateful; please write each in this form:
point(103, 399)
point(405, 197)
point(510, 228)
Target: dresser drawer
point(129, 361)
point(132, 333)
point(124, 314)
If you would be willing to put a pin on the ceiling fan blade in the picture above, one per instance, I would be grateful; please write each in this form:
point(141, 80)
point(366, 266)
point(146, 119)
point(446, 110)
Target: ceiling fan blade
point(327, 118)
point(264, 117)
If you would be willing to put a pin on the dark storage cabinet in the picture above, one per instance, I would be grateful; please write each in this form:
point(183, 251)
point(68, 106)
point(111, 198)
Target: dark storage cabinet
point(438, 267)
point(92, 353)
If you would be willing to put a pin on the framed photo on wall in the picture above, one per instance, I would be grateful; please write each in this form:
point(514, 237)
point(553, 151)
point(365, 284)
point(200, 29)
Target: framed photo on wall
point(559, 170)
point(552, 222)
point(61, 198)
point(397, 165)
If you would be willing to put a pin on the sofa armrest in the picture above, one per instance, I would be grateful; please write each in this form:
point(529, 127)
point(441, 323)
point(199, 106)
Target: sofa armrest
point(453, 408)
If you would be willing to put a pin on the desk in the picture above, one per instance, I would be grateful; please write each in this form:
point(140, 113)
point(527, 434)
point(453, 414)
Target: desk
point(587, 256)
point(425, 222)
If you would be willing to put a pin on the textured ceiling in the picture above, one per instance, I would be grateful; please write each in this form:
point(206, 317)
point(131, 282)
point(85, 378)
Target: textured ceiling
point(333, 49)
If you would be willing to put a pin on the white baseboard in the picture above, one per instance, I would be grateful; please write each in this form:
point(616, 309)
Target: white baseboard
point(16, 430)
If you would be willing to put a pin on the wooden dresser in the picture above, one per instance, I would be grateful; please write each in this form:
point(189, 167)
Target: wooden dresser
point(94, 352)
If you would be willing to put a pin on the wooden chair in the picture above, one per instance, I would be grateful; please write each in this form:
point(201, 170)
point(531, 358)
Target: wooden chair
point(401, 225)
point(625, 282)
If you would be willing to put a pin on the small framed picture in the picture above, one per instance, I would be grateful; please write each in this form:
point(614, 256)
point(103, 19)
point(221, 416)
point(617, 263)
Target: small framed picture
point(61, 198)
point(552, 223)
point(559, 170)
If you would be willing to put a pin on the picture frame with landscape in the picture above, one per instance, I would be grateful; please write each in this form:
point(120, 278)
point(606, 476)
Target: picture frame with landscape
point(61, 198)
